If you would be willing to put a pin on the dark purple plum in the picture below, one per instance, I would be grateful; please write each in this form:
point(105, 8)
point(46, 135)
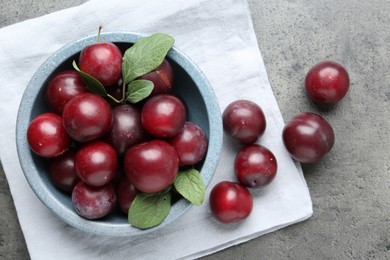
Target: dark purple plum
point(93, 202)
point(62, 172)
point(126, 193)
point(126, 129)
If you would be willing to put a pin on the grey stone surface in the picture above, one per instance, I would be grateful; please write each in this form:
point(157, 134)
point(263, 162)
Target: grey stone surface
point(350, 188)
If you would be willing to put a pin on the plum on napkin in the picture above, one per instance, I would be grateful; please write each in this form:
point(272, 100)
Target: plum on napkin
point(219, 37)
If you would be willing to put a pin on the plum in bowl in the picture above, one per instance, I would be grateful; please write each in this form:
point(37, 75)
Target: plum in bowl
point(190, 85)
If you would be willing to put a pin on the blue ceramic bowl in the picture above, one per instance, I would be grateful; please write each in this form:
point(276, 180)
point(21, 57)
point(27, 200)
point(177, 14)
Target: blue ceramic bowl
point(190, 84)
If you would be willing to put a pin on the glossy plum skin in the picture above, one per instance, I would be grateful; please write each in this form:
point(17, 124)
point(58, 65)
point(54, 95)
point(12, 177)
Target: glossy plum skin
point(96, 163)
point(327, 82)
point(230, 202)
point(63, 87)
point(93, 202)
point(244, 120)
point(162, 78)
point(87, 117)
point(255, 166)
point(125, 193)
point(190, 144)
point(308, 137)
point(151, 166)
point(126, 129)
point(103, 61)
point(46, 135)
point(163, 116)
point(62, 172)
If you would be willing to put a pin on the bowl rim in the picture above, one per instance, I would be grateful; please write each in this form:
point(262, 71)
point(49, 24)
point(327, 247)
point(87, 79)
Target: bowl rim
point(25, 155)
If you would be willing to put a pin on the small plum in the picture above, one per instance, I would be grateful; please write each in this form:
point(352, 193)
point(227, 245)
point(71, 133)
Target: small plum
point(103, 61)
point(308, 137)
point(327, 82)
point(93, 202)
point(162, 78)
point(87, 117)
point(190, 144)
point(126, 193)
point(96, 163)
point(255, 166)
point(244, 120)
point(47, 136)
point(230, 202)
point(63, 87)
point(62, 172)
point(126, 129)
point(151, 166)
point(163, 116)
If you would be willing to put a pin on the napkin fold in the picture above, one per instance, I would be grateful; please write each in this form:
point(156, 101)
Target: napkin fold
point(219, 37)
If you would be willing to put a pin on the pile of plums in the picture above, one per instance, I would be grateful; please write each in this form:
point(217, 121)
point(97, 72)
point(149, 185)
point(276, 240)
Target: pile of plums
point(308, 137)
point(102, 153)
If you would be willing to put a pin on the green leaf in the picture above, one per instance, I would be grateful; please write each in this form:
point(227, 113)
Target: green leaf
point(190, 185)
point(91, 83)
point(145, 55)
point(138, 90)
point(149, 210)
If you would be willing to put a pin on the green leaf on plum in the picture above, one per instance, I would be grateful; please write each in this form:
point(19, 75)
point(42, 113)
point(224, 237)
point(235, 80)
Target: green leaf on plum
point(149, 210)
point(145, 55)
point(92, 84)
point(138, 90)
point(190, 185)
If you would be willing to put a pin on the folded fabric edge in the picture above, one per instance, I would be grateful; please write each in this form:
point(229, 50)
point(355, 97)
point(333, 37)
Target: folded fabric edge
point(247, 238)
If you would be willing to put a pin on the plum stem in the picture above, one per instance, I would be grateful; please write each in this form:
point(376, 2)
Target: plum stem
point(114, 99)
point(99, 32)
point(122, 100)
point(123, 90)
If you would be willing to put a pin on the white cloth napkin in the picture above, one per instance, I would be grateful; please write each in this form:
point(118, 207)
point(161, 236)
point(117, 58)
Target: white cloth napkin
point(219, 37)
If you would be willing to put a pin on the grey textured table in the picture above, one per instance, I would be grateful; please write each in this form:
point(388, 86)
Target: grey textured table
point(350, 188)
